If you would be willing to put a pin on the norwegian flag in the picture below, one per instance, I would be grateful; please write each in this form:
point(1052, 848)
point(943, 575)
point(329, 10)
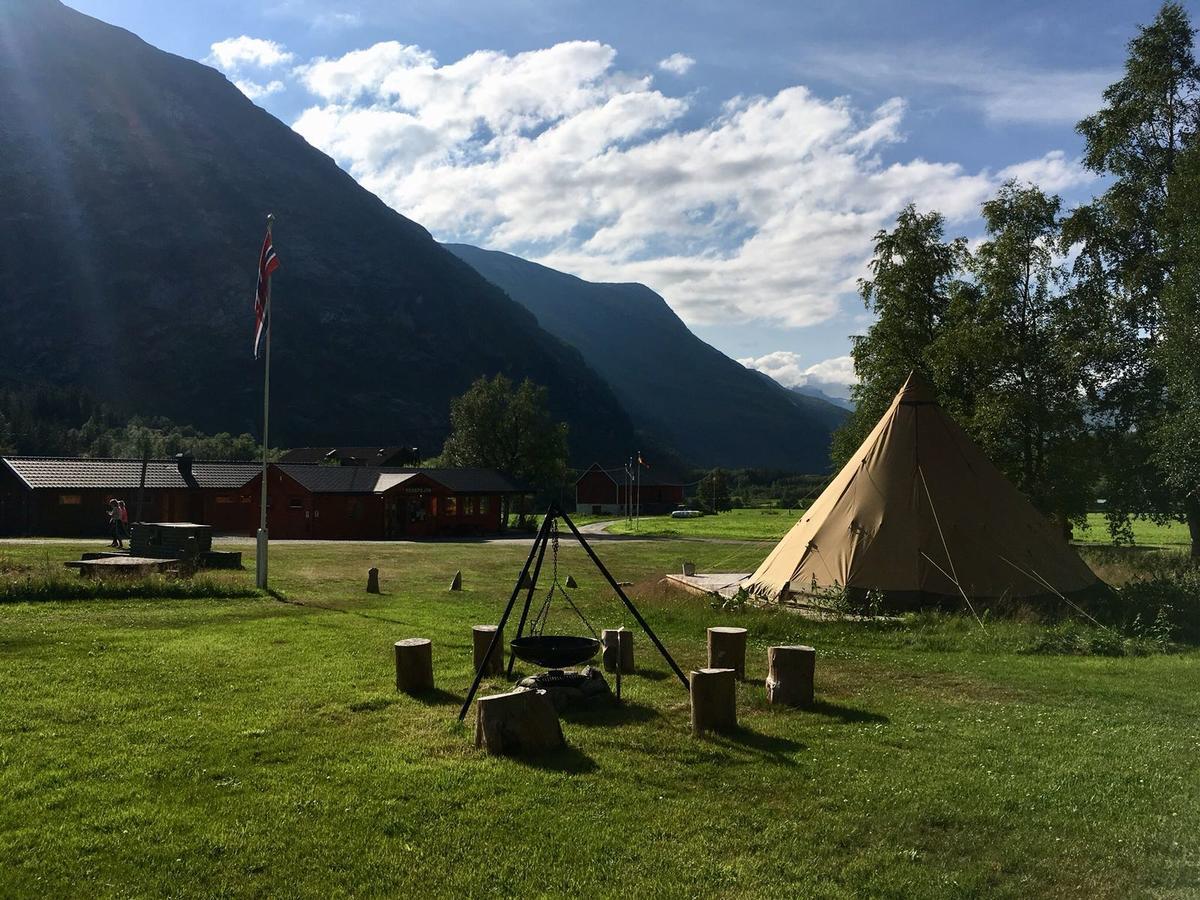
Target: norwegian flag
point(268, 262)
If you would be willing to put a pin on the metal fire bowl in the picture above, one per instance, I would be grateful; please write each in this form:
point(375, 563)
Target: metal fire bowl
point(555, 651)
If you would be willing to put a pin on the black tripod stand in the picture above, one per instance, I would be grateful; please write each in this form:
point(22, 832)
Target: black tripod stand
point(538, 552)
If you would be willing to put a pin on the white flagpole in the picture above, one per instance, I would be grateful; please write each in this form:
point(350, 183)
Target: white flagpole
point(637, 510)
point(260, 558)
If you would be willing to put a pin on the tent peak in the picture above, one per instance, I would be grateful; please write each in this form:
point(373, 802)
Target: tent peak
point(916, 390)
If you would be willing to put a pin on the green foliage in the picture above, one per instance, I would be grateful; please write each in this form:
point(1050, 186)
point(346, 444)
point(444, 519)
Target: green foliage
point(499, 425)
point(914, 276)
point(712, 493)
point(1021, 350)
point(42, 420)
point(1129, 246)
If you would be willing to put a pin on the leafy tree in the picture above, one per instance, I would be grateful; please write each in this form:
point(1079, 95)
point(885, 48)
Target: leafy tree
point(1019, 349)
point(712, 493)
point(1129, 247)
point(499, 425)
point(914, 279)
point(1177, 436)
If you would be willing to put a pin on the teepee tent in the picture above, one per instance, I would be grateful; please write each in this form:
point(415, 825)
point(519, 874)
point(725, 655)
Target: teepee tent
point(920, 513)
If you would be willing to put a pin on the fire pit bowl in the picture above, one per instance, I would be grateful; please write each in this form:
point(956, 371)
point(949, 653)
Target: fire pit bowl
point(555, 651)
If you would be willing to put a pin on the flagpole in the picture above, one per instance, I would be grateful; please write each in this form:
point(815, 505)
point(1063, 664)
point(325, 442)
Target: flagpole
point(260, 558)
point(637, 510)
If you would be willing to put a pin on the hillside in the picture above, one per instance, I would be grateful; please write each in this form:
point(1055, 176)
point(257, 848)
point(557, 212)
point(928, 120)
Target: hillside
point(136, 185)
point(706, 407)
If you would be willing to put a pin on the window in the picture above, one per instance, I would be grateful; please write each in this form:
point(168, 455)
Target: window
point(469, 506)
point(485, 505)
point(354, 509)
point(295, 503)
point(70, 499)
point(451, 506)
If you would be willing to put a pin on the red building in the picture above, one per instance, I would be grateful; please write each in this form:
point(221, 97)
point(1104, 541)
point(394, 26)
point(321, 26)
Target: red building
point(65, 497)
point(68, 497)
point(600, 491)
point(366, 503)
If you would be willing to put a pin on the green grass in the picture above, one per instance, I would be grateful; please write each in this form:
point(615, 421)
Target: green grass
point(772, 524)
point(1145, 533)
point(739, 524)
point(246, 746)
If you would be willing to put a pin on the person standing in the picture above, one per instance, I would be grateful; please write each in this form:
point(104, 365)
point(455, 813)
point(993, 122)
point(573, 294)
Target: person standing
point(114, 524)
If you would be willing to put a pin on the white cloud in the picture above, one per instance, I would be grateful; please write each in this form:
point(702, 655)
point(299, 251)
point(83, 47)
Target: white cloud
point(334, 20)
point(1052, 173)
point(676, 64)
point(764, 211)
point(1003, 90)
point(786, 367)
point(255, 91)
point(237, 53)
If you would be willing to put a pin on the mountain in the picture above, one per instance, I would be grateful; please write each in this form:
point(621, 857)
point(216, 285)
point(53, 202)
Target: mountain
point(135, 190)
point(704, 406)
point(808, 390)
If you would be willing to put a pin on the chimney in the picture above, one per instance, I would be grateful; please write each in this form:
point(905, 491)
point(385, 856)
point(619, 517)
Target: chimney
point(184, 462)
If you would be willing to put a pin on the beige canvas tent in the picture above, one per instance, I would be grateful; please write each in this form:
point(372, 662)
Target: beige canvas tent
point(920, 513)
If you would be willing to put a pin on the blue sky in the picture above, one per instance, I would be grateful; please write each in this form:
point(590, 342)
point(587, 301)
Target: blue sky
point(737, 158)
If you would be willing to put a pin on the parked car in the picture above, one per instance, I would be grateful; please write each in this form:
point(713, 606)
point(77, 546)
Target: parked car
point(686, 514)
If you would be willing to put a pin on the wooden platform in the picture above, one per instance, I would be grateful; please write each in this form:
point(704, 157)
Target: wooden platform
point(721, 584)
point(123, 565)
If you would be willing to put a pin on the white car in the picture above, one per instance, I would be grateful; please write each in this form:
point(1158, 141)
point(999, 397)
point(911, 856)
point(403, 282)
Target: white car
point(686, 514)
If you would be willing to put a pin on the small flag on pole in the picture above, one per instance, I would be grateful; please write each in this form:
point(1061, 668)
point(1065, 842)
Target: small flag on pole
point(268, 262)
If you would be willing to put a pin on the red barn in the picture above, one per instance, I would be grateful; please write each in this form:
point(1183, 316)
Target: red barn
point(600, 491)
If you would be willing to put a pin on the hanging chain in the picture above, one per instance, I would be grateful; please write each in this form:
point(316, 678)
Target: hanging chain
point(538, 626)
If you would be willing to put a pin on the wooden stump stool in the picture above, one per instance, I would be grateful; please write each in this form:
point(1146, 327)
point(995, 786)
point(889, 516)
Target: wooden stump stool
point(790, 675)
point(372, 580)
point(727, 649)
point(714, 700)
point(522, 722)
point(618, 649)
point(414, 665)
point(481, 637)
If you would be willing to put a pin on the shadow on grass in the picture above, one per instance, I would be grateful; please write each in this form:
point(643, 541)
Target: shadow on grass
point(569, 760)
point(774, 748)
point(436, 697)
point(611, 713)
point(846, 713)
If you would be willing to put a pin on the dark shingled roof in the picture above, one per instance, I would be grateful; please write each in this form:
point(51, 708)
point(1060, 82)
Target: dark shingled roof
point(372, 480)
point(123, 474)
point(362, 456)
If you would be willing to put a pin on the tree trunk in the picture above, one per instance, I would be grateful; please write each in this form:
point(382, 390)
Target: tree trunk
point(1191, 506)
point(714, 700)
point(414, 665)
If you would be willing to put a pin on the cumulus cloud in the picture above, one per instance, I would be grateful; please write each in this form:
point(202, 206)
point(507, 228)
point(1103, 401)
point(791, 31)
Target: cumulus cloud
point(254, 90)
point(763, 211)
point(238, 53)
point(1052, 173)
point(834, 375)
point(676, 63)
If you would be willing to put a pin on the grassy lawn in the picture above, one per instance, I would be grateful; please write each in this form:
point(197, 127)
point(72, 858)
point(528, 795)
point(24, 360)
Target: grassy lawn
point(740, 524)
point(251, 747)
point(772, 524)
